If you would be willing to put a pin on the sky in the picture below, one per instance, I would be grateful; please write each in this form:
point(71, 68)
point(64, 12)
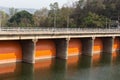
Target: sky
point(36, 4)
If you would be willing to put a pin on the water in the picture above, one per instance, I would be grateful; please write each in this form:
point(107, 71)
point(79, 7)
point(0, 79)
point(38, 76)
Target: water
point(75, 68)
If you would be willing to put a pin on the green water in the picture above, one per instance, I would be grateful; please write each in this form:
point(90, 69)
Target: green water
point(84, 68)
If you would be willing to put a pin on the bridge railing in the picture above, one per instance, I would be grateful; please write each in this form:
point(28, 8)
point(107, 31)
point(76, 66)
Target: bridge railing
point(57, 30)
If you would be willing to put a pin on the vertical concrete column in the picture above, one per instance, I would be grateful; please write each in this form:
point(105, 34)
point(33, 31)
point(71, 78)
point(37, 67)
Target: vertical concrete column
point(87, 46)
point(108, 44)
point(28, 50)
point(62, 48)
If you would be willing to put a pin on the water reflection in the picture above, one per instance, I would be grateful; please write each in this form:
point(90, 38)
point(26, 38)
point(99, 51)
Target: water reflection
point(102, 59)
point(102, 68)
point(106, 59)
point(78, 68)
point(43, 69)
point(59, 70)
point(27, 72)
point(50, 70)
point(98, 67)
point(115, 72)
point(10, 71)
point(85, 62)
point(116, 56)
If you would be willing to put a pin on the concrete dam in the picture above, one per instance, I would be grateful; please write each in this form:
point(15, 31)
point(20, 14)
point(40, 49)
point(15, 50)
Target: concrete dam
point(32, 44)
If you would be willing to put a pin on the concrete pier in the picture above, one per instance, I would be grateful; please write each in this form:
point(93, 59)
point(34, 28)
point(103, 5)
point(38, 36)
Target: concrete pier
point(28, 50)
point(87, 46)
point(108, 45)
point(62, 48)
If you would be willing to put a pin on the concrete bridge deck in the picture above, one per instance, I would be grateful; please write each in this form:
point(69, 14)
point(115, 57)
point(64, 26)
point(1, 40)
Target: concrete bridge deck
point(18, 33)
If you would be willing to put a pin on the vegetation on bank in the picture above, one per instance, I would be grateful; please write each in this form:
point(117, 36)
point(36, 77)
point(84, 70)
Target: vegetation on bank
point(90, 13)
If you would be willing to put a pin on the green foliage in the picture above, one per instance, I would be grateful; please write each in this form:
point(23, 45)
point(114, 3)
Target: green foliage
point(3, 18)
point(12, 11)
point(83, 13)
point(21, 19)
point(94, 20)
point(96, 13)
point(40, 17)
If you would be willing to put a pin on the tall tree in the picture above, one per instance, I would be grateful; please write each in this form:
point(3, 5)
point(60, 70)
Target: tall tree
point(65, 16)
point(40, 17)
point(53, 14)
point(94, 20)
point(3, 18)
point(21, 19)
point(12, 11)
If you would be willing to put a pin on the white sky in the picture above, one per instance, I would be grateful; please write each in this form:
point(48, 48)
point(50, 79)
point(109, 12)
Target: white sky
point(37, 4)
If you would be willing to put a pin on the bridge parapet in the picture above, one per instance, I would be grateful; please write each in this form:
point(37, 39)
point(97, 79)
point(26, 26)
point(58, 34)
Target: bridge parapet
point(37, 30)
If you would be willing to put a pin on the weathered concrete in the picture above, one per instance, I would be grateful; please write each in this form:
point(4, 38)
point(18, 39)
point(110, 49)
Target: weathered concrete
point(28, 50)
point(28, 38)
point(62, 48)
point(19, 33)
point(108, 44)
point(87, 46)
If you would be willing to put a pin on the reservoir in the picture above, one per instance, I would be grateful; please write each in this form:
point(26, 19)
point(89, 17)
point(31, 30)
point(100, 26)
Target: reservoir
point(98, 67)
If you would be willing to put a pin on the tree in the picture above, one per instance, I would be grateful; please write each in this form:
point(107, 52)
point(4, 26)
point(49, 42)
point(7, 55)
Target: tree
point(3, 18)
point(94, 20)
point(12, 11)
point(59, 17)
point(98, 8)
point(53, 14)
point(21, 19)
point(79, 13)
point(83, 13)
point(64, 16)
point(40, 17)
